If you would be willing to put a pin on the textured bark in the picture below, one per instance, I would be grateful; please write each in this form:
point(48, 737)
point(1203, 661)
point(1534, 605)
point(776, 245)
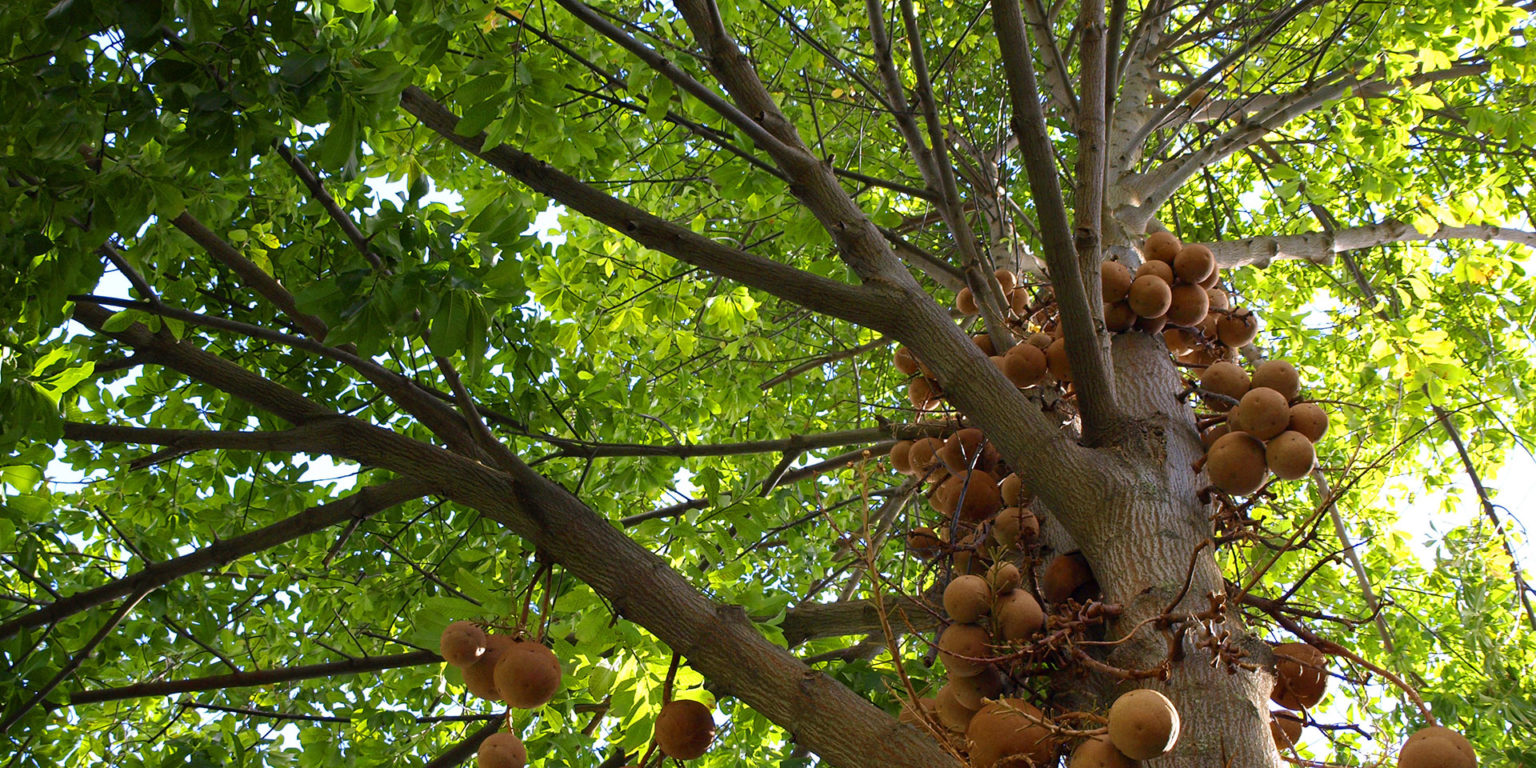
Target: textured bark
point(1320, 247)
point(1140, 548)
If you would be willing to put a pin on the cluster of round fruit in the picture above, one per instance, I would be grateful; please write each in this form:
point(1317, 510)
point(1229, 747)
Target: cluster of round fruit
point(1142, 724)
point(1265, 428)
point(1024, 364)
point(1176, 292)
point(523, 673)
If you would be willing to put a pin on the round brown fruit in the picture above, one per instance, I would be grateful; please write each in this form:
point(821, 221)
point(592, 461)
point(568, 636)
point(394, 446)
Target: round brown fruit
point(1310, 420)
point(1099, 752)
point(1143, 724)
point(1161, 246)
point(953, 712)
point(923, 542)
point(1040, 340)
point(1024, 365)
point(1218, 298)
point(1265, 412)
point(970, 691)
point(1301, 676)
point(501, 750)
point(1224, 379)
point(1194, 263)
point(1009, 727)
point(1013, 525)
point(967, 598)
point(981, 497)
point(901, 457)
point(1004, 578)
point(528, 675)
point(1436, 747)
point(1019, 301)
point(925, 454)
point(927, 708)
point(960, 645)
point(1213, 433)
point(1179, 340)
point(1290, 455)
point(1013, 491)
point(1063, 577)
point(962, 450)
point(1152, 324)
point(922, 393)
point(965, 301)
point(1189, 305)
point(1210, 282)
point(1280, 376)
point(1235, 463)
point(1285, 729)
point(1150, 296)
point(1114, 280)
point(461, 643)
point(684, 729)
point(1237, 327)
point(1005, 279)
point(984, 343)
point(1056, 360)
point(1158, 269)
point(480, 677)
point(1019, 615)
point(1119, 317)
point(905, 361)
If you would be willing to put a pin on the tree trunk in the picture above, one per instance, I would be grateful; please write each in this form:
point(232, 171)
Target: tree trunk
point(1143, 547)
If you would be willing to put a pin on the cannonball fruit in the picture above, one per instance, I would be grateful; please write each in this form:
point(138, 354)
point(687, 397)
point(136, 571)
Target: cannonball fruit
point(1143, 724)
point(1265, 412)
point(1225, 379)
point(1279, 376)
point(1235, 463)
point(961, 646)
point(1099, 752)
point(905, 362)
point(1005, 279)
point(1013, 491)
point(1237, 328)
point(1301, 676)
point(1213, 433)
point(901, 457)
point(1158, 269)
point(1194, 263)
point(1009, 727)
point(1063, 577)
point(1161, 246)
point(684, 729)
point(924, 454)
point(953, 712)
point(1436, 747)
point(1056, 360)
point(1188, 305)
point(462, 642)
point(501, 750)
point(1285, 729)
point(1019, 616)
point(970, 691)
point(1024, 365)
point(965, 301)
point(967, 598)
point(923, 542)
point(961, 451)
point(480, 677)
point(1014, 525)
point(1004, 578)
point(1310, 420)
point(1119, 317)
point(1115, 280)
point(1150, 296)
point(1290, 455)
point(527, 675)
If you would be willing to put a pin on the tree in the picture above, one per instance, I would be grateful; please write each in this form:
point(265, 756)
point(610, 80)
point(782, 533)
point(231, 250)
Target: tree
point(653, 434)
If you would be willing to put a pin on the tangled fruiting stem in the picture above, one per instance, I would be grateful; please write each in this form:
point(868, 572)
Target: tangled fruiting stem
point(1051, 725)
point(522, 619)
point(666, 686)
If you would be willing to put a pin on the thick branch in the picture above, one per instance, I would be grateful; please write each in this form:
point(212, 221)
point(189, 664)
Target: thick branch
point(1320, 247)
point(364, 503)
point(1090, 365)
point(821, 294)
point(853, 617)
point(249, 273)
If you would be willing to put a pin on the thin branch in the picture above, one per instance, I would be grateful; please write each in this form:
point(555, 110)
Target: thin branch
point(461, 751)
point(251, 274)
point(826, 359)
point(254, 678)
point(317, 191)
point(361, 504)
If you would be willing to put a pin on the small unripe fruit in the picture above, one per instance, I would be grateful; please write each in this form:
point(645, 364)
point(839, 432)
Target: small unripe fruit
point(1143, 724)
point(462, 643)
point(1004, 578)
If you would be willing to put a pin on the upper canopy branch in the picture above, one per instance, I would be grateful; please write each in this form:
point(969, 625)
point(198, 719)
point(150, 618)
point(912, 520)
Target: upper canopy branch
point(1319, 247)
